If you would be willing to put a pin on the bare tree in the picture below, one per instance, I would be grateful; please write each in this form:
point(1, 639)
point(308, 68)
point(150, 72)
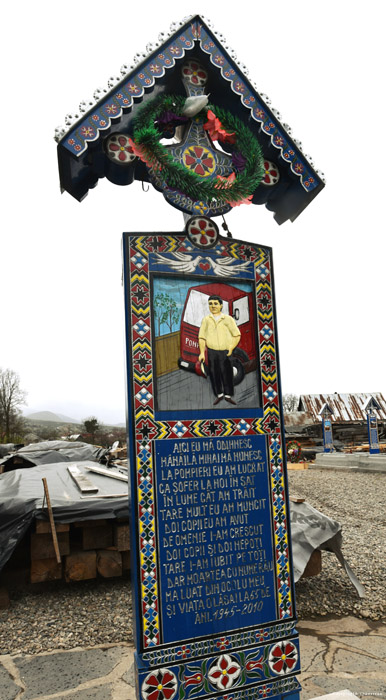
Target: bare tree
point(290, 402)
point(11, 398)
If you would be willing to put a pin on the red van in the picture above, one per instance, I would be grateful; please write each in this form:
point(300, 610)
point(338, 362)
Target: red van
point(236, 303)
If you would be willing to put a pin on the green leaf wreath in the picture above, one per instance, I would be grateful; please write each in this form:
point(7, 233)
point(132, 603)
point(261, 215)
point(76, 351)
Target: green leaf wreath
point(247, 155)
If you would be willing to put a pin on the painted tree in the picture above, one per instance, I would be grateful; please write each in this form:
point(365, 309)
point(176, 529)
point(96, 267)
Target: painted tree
point(165, 310)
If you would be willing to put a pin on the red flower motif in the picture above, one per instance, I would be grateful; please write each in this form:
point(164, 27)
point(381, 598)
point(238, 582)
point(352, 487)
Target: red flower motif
point(261, 635)
point(283, 657)
point(121, 148)
point(264, 691)
point(224, 672)
point(271, 173)
point(200, 160)
point(223, 643)
point(203, 233)
point(160, 685)
point(183, 652)
point(194, 73)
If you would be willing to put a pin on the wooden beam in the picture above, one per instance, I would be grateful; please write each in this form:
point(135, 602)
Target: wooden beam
point(52, 522)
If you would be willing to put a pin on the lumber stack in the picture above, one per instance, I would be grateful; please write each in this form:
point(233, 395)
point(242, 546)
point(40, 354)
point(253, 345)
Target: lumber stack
point(88, 549)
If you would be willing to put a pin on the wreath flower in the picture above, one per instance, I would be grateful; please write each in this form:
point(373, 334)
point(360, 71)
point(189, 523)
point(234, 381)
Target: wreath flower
point(216, 131)
point(294, 450)
point(247, 157)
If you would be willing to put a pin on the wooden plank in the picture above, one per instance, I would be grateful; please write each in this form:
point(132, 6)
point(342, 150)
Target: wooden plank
point(45, 570)
point(4, 598)
point(84, 484)
point(42, 546)
point(314, 565)
point(80, 566)
point(126, 562)
point(106, 495)
point(296, 466)
point(109, 563)
point(52, 523)
point(43, 527)
point(122, 537)
point(97, 537)
point(111, 473)
point(90, 523)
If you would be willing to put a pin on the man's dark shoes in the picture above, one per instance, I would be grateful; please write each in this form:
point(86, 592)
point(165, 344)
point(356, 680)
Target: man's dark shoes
point(219, 398)
point(228, 398)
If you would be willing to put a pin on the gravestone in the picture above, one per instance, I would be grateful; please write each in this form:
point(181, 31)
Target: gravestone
point(326, 414)
point(372, 424)
point(210, 543)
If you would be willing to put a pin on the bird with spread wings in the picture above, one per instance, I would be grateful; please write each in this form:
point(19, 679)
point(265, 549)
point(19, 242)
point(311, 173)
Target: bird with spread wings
point(223, 267)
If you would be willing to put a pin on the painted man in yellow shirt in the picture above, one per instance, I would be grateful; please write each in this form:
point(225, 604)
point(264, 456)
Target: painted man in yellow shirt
point(220, 335)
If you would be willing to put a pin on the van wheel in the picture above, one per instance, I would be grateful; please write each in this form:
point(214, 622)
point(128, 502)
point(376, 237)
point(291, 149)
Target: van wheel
point(238, 371)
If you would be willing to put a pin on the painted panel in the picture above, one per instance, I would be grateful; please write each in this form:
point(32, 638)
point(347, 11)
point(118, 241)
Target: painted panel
point(213, 588)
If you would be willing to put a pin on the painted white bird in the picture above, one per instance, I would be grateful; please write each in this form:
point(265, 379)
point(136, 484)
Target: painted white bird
point(224, 267)
point(193, 105)
point(184, 263)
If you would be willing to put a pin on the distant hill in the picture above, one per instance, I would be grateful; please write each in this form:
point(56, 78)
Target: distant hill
point(51, 417)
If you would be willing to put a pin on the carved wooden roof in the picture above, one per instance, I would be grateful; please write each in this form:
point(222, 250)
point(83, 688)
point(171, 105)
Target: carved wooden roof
point(81, 143)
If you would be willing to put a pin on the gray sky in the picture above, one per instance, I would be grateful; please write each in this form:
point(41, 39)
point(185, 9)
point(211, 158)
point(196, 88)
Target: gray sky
point(62, 318)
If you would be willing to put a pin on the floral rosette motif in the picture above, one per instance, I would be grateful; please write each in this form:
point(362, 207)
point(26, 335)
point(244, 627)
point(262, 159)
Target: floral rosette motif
point(159, 685)
point(271, 174)
point(118, 148)
point(283, 658)
point(202, 231)
point(224, 673)
point(199, 160)
point(194, 73)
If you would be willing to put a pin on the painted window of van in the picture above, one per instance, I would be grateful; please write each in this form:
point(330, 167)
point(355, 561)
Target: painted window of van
point(197, 307)
point(241, 311)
